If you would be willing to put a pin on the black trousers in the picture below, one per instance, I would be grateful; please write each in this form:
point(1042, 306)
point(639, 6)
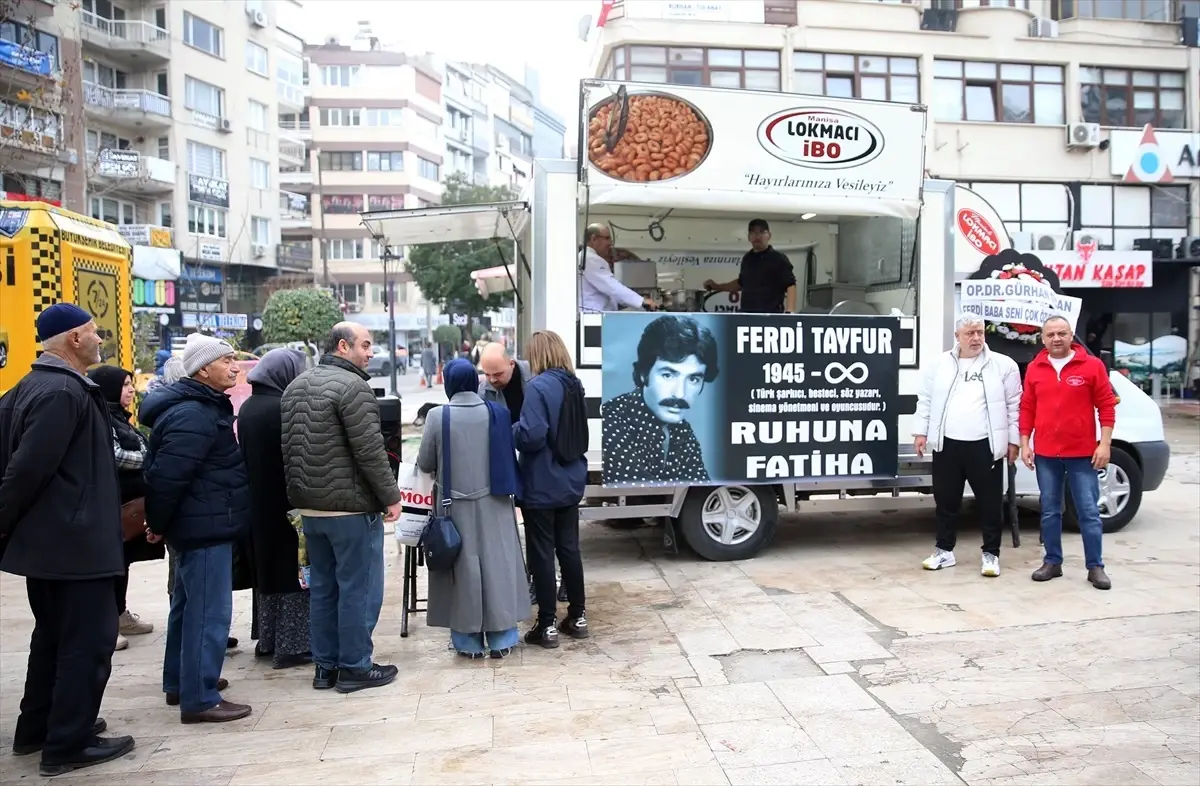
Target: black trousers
point(70, 660)
point(122, 590)
point(970, 462)
point(551, 532)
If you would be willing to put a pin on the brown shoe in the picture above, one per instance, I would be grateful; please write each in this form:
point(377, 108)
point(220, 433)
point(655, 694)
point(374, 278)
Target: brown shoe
point(222, 713)
point(1047, 571)
point(173, 698)
point(1099, 578)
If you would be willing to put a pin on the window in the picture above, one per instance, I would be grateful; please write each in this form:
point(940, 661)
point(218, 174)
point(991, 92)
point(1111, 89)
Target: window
point(259, 112)
point(260, 231)
point(998, 92)
point(114, 211)
point(1121, 97)
point(385, 202)
point(260, 174)
point(750, 68)
point(339, 76)
point(205, 220)
point(385, 162)
point(346, 249)
point(101, 140)
point(428, 170)
point(384, 117)
point(256, 59)
point(203, 35)
point(105, 76)
point(162, 83)
point(202, 97)
point(164, 147)
point(205, 160)
point(378, 295)
point(1144, 10)
point(342, 162)
point(30, 38)
point(856, 76)
point(344, 204)
point(164, 214)
point(1169, 207)
point(341, 117)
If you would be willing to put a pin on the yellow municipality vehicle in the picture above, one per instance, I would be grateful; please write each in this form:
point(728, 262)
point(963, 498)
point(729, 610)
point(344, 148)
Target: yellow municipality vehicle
point(50, 255)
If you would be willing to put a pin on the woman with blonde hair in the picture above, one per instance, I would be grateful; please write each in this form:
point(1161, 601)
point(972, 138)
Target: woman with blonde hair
point(552, 437)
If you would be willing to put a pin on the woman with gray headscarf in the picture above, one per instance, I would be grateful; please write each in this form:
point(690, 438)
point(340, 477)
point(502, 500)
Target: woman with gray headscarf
point(282, 603)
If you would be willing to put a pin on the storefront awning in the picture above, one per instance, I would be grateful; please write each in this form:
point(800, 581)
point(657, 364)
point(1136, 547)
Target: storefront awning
point(493, 280)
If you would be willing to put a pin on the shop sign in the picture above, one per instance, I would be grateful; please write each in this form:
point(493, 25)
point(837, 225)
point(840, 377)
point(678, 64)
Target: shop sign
point(768, 398)
point(118, 163)
point(1153, 155)
point(209, 252)
point(747, 151)
point(216, 321)
point(1087, 268)
point(200, 289)
point(145, 235)
point(155, 297)
point(208, 191)
point(978, 230)
point(746, 11)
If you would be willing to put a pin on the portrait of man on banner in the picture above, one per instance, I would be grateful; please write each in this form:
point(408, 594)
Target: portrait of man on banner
point(648, 434)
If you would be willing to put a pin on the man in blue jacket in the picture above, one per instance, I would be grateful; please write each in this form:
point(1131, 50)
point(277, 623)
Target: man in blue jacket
point(198, 499)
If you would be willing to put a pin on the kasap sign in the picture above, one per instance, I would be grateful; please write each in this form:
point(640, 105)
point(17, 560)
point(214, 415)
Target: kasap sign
point(1087, 268)
point(1154, 156)
point(748, 151)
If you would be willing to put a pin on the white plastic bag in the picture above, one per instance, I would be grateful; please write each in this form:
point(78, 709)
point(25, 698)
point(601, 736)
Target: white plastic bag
point(416, 503)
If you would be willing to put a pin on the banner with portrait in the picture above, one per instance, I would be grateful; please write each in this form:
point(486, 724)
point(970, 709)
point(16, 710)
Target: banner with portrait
point(704, 399)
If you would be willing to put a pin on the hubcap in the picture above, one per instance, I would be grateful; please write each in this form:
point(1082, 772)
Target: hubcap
point(1114, 490)
point(731, 515)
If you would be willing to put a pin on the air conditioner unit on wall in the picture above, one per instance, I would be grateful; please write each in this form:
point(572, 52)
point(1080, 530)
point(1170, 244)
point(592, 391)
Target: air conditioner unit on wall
point(257, 18)
point(1084, 237)
point(1047, 242)
point(226, 126)
point(1083, 136)
point(258, 251)
point(1041, 27)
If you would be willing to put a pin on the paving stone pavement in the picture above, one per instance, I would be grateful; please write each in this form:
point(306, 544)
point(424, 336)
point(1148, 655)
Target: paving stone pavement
point(832, 659)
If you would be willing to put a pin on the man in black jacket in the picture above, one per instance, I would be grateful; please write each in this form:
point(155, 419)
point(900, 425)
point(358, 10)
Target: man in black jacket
point(60, 528)
point(197, 497)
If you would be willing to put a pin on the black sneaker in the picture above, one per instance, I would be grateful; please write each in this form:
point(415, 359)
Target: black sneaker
point(543, 635)
point(101, 750)
point(575, 627)
point(562, 594)
point(324, 679)
point(350, 680)
point(24, 749)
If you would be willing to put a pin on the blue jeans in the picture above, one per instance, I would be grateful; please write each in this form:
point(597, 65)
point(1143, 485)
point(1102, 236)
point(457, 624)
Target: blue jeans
point(479, 643)
point(345, 554)
point(198, 626)
point(1054, 475)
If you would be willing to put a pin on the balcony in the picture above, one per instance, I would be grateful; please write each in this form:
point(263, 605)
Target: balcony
point(459, 136)
point(290, 96)
point(465, 102)
point(294, 255)
point(141, 109)
point(296, 178)
point(298, 129)
point(128, 41)
point(292, 152)
point(295, 211)
point(521, 116)
point(129, 172)
point(26, 68)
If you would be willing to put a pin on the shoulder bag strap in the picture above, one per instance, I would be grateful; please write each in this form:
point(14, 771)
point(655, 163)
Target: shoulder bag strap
point(445, 479)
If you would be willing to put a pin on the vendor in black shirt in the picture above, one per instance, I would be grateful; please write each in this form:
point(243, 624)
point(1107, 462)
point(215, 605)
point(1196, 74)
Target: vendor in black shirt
point(766, 278)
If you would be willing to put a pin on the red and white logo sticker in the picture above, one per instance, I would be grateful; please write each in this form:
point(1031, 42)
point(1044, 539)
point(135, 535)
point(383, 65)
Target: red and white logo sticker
point(821, 138)
point(978, 231)
point(1076, 381)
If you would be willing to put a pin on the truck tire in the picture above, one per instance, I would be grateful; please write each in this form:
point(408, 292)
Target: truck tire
point(726, 523)
point(1120, 493)
point(3, 355)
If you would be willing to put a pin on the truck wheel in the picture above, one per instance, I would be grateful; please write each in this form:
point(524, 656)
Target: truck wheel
point(1120, 493)
point(3, 355)
point(729, 522)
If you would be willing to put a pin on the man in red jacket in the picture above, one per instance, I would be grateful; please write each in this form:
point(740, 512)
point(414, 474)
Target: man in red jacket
point(1065, 390)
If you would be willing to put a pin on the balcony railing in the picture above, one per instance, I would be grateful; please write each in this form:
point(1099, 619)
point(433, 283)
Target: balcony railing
point(294, 206)
point(289, 94)
point(294, 125)
point(137, 100)
point(135, 31)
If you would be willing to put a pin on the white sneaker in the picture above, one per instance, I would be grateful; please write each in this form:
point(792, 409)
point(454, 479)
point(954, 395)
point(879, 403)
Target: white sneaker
point(939, 559)
point(122, 643)
point(132, 625)
point(991, 565)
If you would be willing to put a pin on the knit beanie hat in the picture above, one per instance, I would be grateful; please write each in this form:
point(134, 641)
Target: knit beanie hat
point(200, 350)
point(60, 318)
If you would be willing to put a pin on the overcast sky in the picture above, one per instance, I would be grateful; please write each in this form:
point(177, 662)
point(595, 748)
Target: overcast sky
point(504, 33)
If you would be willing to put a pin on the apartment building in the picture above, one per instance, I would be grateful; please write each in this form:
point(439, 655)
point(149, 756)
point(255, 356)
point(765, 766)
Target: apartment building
point(1076, 120)
point(165, 125)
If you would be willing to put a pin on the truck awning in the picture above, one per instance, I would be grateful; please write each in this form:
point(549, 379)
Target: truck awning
point(493, 280)
point(448, 223)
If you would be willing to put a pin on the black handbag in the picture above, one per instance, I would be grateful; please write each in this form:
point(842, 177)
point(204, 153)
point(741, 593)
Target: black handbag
point(440, 543)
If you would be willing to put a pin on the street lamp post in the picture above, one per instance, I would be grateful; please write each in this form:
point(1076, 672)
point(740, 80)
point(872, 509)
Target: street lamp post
point(389, 285)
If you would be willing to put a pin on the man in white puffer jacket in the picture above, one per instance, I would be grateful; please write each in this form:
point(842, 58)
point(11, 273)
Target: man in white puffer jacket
point(967, 414)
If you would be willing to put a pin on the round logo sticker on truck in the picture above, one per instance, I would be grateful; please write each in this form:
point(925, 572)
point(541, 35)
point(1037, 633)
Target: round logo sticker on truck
point(978, 231)
point(821, 138)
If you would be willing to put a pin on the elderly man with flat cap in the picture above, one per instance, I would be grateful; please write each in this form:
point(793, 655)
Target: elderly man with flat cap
point(60, 528)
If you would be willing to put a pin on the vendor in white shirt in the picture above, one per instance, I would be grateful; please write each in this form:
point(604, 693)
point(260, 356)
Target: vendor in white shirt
point(601, 291)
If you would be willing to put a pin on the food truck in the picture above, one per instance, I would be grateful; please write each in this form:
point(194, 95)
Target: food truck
point(50, 255)
point(802, 412)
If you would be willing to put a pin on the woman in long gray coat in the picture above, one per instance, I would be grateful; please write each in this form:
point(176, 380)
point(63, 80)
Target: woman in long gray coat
point(484, 596)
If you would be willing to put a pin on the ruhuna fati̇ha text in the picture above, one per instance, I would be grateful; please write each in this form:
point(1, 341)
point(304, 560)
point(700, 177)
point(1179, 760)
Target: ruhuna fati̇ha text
point(827, 383)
